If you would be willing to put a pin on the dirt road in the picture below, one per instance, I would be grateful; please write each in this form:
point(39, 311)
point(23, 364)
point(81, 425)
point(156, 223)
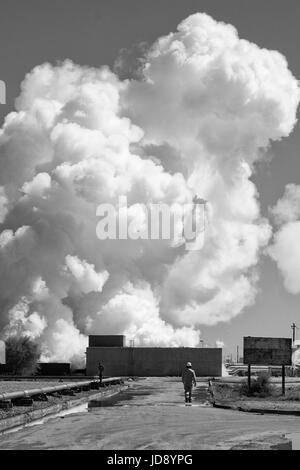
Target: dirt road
point(151, 415)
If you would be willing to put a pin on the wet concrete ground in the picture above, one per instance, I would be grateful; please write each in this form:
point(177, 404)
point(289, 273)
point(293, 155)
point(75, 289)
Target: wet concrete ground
point(150, 415)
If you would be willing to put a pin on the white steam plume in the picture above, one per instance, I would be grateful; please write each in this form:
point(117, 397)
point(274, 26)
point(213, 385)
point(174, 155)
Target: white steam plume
point(206, 107)
point(285, 249)
point(296, 353)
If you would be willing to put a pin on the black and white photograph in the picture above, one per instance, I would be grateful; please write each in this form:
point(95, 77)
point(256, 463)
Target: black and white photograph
point(149, 228)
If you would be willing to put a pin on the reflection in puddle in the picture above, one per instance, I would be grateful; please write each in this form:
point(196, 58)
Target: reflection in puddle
point(118, 399)
point(125, 399)
point(76, 409)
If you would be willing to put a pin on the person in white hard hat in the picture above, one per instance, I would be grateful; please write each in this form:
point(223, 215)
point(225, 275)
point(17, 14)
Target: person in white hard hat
point(188, 379)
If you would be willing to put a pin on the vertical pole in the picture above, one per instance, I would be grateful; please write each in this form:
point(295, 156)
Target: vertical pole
point(293, 329)
point(237, 354)
point(249, 377)
point(283, 380)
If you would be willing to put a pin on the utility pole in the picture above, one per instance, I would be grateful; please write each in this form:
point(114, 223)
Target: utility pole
point(237, 354)
point(294, 328)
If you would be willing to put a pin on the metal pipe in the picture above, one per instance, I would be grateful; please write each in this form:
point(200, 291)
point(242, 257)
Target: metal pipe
point(55, 388)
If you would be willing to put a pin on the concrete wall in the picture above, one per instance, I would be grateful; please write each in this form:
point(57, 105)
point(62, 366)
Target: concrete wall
point(145, 362)
point(106, 341)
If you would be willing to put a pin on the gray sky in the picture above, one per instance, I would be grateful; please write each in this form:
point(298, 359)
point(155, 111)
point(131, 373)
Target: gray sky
point(93, 31)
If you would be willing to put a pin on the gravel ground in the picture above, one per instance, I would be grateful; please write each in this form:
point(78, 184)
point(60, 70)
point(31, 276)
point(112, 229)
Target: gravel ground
point(228, 394)
point(37, 405)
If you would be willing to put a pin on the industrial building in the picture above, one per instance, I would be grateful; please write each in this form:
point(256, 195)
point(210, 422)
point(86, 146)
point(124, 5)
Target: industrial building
point(119, 360)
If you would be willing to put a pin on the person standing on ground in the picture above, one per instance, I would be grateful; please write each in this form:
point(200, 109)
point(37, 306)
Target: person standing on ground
point(188, 379)
point(100, 369)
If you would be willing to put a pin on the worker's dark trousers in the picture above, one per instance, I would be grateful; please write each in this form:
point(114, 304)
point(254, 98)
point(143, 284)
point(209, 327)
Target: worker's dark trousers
point(188, 394)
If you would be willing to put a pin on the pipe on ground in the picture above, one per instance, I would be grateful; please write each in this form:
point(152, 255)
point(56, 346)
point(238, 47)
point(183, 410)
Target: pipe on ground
point(55, 388)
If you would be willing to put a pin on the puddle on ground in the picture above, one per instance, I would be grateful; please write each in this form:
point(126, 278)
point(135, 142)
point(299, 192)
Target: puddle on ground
point(118, 399)
point(124, 399)
point(295, 438)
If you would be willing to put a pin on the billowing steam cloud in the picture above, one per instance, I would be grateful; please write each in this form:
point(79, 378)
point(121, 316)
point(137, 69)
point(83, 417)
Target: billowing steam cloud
point(285, 249)
point(206, 106)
